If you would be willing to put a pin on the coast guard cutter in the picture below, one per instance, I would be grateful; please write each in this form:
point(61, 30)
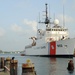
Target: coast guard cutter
point(53, 41)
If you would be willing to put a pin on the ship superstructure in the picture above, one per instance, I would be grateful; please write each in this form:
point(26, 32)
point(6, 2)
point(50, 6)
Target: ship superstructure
point(53, 33)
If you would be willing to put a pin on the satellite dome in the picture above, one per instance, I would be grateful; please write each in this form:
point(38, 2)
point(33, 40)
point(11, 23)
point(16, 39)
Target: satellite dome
point(56, 21)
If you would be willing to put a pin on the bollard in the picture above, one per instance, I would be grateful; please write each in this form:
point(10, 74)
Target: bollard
point(13, 67)
point(28, 68)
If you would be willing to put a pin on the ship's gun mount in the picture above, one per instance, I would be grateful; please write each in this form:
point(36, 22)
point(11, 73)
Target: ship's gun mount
point(34, 42)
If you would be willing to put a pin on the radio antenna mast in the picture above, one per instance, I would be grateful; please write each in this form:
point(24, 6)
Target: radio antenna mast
point(63, 17)
point(39, 16)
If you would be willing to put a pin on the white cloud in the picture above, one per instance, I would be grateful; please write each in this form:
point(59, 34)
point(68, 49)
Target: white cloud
point(16, 28)
point(32, 24)
point(2, 32)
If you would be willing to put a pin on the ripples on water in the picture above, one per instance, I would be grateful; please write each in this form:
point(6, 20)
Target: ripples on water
point(44, 65)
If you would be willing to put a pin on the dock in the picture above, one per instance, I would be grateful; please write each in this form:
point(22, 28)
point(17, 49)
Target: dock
point(8, 66)
point(4, 73)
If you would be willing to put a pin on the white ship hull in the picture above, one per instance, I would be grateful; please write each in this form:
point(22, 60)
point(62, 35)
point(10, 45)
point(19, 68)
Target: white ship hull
point(55, 48)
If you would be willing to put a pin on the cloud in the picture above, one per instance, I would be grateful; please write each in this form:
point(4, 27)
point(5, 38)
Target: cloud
point(16, 28)
point(32, 24)
point(2, 32)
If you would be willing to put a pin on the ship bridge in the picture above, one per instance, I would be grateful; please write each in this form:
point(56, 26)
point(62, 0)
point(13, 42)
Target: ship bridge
point(56, 33)
point(53, 32)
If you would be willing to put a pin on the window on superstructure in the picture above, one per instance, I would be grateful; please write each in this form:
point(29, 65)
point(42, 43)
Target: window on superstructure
point(58, 29)
point(66, 29)
point(61, 29)
point(48, 29)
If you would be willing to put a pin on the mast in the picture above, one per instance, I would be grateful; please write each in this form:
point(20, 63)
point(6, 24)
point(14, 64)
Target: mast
point(63, 17)
point(46, 19)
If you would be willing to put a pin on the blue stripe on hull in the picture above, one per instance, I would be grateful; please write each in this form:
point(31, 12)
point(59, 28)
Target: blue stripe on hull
point(48, 48)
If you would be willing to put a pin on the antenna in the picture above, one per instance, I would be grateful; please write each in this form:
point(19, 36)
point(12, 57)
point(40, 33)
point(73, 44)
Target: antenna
point(63, 17)
point(39, 16)
point(54, 16)
point(46, 19)
point(49, 13)
point(46, 11)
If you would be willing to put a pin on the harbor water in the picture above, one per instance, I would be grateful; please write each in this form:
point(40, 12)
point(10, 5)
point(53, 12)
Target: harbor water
point(44, 65)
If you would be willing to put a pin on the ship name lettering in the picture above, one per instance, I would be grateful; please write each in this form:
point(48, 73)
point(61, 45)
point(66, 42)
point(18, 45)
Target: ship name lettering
point(43, 47)
point(59, 45)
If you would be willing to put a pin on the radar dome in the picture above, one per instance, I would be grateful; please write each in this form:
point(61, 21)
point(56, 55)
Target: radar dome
point(56, 21)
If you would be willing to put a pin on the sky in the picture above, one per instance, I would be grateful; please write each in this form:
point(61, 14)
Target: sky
point(19, 20)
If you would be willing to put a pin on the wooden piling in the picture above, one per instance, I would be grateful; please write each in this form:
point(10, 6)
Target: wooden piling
point(7, 64)
point(13, 67)
point(2, 66)
point(2, 62)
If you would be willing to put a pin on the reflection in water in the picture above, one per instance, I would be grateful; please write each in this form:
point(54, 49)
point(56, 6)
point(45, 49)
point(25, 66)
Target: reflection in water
point(70, 72)
point(44, 65)
point(58, 66)
point(53, 66)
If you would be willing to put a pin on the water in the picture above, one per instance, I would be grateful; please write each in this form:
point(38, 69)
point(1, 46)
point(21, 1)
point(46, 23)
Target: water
point(44, 65)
